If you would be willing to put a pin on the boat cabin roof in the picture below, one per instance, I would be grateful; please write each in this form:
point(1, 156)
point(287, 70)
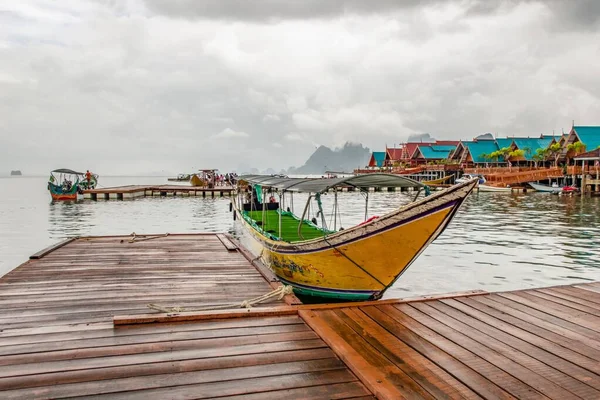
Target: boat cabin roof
point(68, 171)
point(321, 185)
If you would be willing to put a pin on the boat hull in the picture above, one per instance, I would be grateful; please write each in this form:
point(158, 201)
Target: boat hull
point(485, 188)
point(439, 181)
point(58, 194)
point(545, 188)
point(360, 263)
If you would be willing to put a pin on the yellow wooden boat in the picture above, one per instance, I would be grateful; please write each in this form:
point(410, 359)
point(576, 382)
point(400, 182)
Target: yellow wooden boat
point(358, 263)
point(438, 181)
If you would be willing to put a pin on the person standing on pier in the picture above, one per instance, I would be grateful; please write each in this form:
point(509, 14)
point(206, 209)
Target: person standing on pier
point(88, 178)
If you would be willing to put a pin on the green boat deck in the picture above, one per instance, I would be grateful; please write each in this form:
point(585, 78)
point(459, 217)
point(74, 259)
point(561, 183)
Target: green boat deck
point(289, 225)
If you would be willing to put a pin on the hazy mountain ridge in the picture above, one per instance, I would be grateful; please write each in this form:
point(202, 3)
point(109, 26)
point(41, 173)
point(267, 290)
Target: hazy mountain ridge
point(344, 159)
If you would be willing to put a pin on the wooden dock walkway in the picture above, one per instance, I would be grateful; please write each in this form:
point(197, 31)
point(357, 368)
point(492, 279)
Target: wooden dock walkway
point(74, 322)
point(135, 191)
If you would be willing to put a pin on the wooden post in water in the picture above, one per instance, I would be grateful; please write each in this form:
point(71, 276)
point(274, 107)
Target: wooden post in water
point(583, 188)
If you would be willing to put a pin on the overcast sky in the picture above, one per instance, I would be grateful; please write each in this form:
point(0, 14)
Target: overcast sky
point(134, 86)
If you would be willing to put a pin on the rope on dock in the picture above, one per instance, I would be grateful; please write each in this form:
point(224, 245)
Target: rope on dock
point(134, 237)
point(276, 294)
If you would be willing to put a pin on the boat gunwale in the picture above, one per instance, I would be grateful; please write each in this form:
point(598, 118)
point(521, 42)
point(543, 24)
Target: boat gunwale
point(338, 237)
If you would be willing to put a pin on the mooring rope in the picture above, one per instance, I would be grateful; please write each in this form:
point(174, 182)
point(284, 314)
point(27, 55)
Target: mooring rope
point(134, 237)
point(275, 294)
point(258, 257)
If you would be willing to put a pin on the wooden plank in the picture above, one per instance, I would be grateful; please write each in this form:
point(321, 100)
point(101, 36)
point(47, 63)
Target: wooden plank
point(151, 347)
point(429, 376)
point(180, 379)
point(229, 245)
point(504, 362)
point(281, 310)
point(243, 386)
point(540, 360)
point(556, 334)
point(556, 310)
point(58, 347)
point(564, 300)
point(548, 317)
point(51, 248)
point(390, 319)
point(159, 368)
point(271, 344)
point(376, 373)
point(539, 318)
point(106, 330)
point(573, 292)
point(482, 365)
point(353, 390)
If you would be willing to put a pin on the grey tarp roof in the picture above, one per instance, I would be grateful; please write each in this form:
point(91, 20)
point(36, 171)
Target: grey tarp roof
point(67, 171)
point(320, 185)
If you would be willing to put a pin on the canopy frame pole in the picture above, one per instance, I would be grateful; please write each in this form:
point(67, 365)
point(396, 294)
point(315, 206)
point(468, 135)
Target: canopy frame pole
point(366, 205)
point(303, 215)
point(335, 209)
point(320, 205)
point(281, 198)
point(264, 209)
point(418, 193)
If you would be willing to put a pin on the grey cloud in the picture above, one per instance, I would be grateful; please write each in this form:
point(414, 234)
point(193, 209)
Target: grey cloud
point(579, 14)
point(566, 14)
point(273, 10)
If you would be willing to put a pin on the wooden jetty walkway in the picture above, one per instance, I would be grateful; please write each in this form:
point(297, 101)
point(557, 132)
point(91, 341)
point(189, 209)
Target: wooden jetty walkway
point(74, 322)
point(135, 191)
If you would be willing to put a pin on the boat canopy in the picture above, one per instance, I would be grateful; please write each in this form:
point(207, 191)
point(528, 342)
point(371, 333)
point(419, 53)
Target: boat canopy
point(321, 185)
point(67, 171)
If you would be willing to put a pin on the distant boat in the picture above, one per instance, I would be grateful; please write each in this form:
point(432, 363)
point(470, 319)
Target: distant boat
point(16, 173)
point(468, 177)
point(546, 188)
point(206, 178)
point(569, 190)
point(438, 181)
point(66, 184)
point(486, 188)
point(180, 178)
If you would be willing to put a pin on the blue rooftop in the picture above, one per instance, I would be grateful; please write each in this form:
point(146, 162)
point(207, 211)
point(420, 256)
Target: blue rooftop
point(530, 145)
point(504, 142)
point(477, 149)
point(379, 157)
point(589, 135)
point(443, 147)
point(429, 153)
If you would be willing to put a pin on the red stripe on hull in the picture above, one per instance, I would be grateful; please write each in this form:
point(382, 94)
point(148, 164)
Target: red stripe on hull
point(64, 196)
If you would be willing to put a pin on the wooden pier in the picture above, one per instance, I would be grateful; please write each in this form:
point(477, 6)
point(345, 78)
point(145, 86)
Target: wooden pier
point(135, 191)
point(74, 321)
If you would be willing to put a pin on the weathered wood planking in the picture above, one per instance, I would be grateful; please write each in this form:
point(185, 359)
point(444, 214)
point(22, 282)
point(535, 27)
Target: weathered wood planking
point(78, 326)
point(530, 344)
point(57, 337)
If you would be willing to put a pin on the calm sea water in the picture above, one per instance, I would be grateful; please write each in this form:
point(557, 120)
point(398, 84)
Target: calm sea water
point(497, 241)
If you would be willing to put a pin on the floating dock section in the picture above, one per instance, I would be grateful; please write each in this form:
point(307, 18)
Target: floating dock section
point(75, 321)
point(135, 191)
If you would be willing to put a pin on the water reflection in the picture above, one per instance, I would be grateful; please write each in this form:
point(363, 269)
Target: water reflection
point(67, 218)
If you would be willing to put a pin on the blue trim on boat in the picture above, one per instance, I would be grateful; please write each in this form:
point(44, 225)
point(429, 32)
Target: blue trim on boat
point(329, 290)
